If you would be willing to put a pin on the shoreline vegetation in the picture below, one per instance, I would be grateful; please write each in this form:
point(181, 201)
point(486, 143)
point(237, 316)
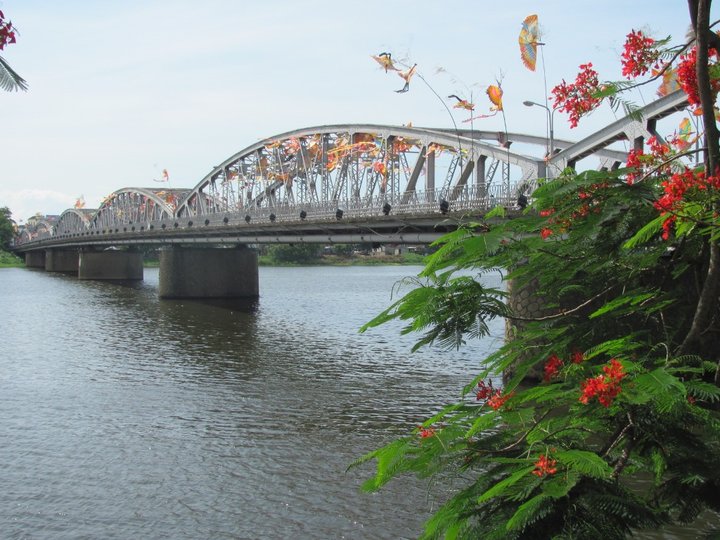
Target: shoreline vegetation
point(269, 258)
point(9, 260)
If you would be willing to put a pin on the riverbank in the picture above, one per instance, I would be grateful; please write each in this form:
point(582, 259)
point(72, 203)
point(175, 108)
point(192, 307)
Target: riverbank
point(406, 259)
point(8, 260)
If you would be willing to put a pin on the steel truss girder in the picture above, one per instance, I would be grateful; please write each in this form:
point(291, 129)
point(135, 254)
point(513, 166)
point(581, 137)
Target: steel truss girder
point(340, 164)
point(73, 220)
point(129, 206)
point(627, 128)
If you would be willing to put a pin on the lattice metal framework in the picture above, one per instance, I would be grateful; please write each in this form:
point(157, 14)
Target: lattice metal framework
point(73, 221)
point(135, 206)
point(360, 169)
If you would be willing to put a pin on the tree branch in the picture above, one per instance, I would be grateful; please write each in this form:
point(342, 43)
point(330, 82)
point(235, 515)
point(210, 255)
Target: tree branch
point(707, 303)
point(562, 312)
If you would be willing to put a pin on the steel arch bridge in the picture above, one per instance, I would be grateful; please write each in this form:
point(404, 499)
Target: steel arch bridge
point(359, 169)
point(352, 182)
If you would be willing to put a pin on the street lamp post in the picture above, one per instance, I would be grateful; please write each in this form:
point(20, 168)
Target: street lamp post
point(550, 113)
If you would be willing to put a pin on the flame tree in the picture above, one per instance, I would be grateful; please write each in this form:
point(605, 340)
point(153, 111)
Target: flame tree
point(620, 432)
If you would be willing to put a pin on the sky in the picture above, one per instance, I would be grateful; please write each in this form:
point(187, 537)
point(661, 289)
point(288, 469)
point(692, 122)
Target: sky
point(120, 90)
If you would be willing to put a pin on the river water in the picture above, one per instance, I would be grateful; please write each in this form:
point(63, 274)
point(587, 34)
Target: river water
point(124, 416)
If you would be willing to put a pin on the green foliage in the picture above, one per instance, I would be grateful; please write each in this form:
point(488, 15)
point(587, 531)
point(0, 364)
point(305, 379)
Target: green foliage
point(7, 230)
point(614, 290)
point(449, 308)
point(294, 253)
point(9, 259)
point(608, 422)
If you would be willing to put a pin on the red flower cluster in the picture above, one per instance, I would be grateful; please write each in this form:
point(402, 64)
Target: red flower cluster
point(687, 77)
point(641, 162)
point(426, 432)
point(498, 399)
point(545, 233)
point(675, 189)
point(552, 366)
point(7, 32)
point(639, 55)
point(484, 390)
point(578, 98)
point(577, 357)
point(495, 398)
point(545, 465)
point(605, 387)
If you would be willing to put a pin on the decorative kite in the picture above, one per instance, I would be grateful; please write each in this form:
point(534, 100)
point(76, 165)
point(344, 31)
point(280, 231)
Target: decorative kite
point(406, 76)
point(529, 40)
point(684, 139)
point(385, 61)
point(165, 177)
point(80, 202)
point(495, 94)
point(669, 82)
point(462, 104)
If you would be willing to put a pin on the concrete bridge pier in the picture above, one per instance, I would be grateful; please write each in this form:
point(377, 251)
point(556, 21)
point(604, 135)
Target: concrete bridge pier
point(35, 259)
point(195, 272)
point(110, 264)
point(61, 260)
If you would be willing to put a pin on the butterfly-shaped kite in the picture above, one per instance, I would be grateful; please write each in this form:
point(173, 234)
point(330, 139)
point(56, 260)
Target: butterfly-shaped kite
point(529, 40)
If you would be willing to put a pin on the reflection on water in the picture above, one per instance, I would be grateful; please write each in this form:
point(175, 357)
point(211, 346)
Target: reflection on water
point(126, 416)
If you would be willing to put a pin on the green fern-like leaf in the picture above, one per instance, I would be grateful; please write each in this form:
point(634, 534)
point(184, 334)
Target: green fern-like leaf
point(530, 512)
point(499, 488)
point(584, 462)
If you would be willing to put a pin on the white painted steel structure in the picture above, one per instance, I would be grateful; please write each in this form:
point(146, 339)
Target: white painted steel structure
point(344, 183)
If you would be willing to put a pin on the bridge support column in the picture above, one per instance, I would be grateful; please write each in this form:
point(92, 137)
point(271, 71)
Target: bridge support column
point(35, 259)
point(61, 260)
point(208, 272)
point(111, 264)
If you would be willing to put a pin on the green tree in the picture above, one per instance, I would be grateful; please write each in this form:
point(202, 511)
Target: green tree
point(622, 431)
point(7, 228)
point(294, 253)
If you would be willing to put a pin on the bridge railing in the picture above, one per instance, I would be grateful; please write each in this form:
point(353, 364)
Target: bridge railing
point(471, 198)
point(424, 204)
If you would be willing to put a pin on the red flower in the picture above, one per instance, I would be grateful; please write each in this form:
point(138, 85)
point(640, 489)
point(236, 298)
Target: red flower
point(498, 400)
point(544, 466)
point(687, 77)
point(578, 98)
point(552, 366)
point(548, 212)
point(426, 432)
point(7, 32)
point(484, 391)
point(545, 232)
point(675, 189)
point(639, 55)
point(614, 371)
point(577, 357)
point(605, 387)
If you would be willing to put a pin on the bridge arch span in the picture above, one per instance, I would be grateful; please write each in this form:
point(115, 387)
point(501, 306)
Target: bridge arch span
point(130, 208)
point(73, 221)
point(368, 169)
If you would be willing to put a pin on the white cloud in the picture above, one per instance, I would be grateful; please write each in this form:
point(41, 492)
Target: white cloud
point(25, 203)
